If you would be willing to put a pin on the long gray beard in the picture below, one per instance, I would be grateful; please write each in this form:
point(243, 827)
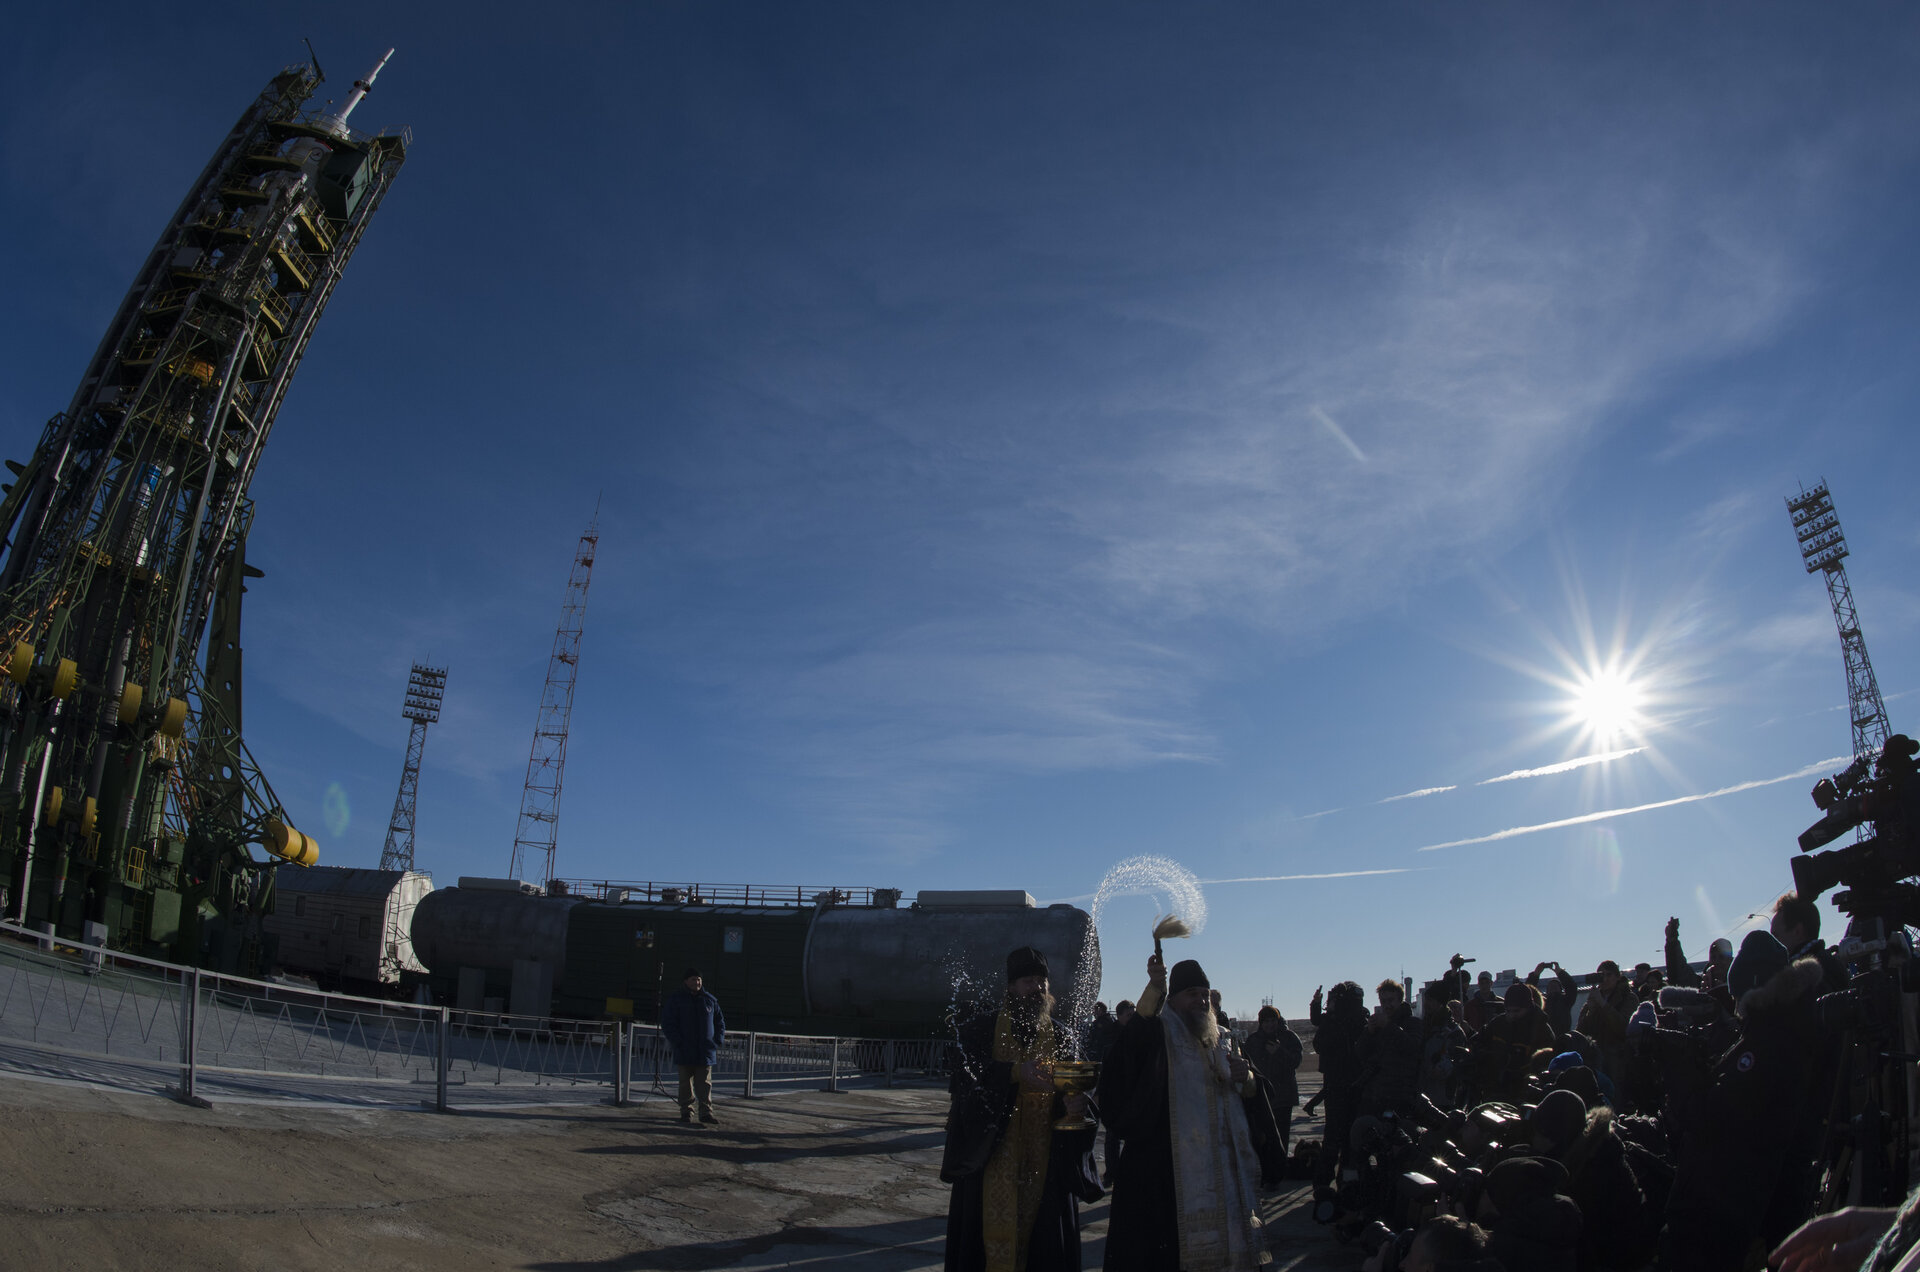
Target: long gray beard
point(1203, 1025)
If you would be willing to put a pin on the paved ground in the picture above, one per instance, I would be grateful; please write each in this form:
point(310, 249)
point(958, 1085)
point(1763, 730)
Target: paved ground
point(107, 1179)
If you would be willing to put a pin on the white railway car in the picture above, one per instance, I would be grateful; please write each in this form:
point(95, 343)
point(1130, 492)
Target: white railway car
point(346, 926)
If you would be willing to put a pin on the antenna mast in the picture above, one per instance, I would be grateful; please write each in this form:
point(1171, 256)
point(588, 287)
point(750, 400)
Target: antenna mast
point(540, 803)
point(422, 706)
point(1823, 548)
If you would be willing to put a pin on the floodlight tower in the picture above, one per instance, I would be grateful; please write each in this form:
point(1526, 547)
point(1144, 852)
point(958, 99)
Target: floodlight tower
point(539, 828)
point(1823, 548)
point(425, 686)
point(127, 796)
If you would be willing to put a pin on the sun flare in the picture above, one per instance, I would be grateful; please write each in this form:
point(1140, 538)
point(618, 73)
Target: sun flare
point(1608, 704)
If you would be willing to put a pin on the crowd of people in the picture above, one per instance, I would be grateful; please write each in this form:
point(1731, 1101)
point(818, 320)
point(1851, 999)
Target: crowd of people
point(1652, 1117)
point(1676, 1120)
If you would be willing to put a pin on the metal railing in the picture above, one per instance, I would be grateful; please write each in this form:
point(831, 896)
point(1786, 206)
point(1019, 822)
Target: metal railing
point(81, 1011)
point(718, 893)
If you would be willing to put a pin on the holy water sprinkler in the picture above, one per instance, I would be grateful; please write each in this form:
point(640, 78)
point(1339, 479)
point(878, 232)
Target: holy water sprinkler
point(1170, 927)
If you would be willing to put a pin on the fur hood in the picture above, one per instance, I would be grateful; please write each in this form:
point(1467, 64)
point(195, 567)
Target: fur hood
point(1599, 1130)
point(1788, 985)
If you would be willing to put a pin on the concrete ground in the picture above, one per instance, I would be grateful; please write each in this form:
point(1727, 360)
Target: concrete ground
point(102, 1179)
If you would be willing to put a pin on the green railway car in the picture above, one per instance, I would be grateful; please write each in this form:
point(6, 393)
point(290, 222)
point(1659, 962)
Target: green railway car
point(622, 960)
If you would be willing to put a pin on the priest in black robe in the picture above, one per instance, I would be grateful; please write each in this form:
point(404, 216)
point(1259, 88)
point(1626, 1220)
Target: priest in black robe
point(1186, 1191)
point(1017, 1182)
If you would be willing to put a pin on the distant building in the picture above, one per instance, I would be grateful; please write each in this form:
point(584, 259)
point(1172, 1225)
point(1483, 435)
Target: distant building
point(347, 927)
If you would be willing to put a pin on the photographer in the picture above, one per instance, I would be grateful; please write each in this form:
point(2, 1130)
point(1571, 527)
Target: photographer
point(1742, 1168)
point(1604, 1018)
point(1337, 1029)
point(1680, 972)
point(1618, 1228)
point(1558, 996)
point(1389, 1051)
point(1443, 1047)
point(1503, 1052)
point(1796, 925)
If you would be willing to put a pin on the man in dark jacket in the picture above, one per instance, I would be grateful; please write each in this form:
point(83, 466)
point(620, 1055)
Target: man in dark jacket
point(1100, 1032)
point(1483, 1006)
point(1535, 1226)
point(1604, 1018)
point(1017, 1181)
point(1275, 1052)
point(1741, 1178)
point(1389, 1051)
point(1618, 1228)
point(1503, 1052)
point(694, 1027)
point(1336, 1030)
point(1558, 993)
point(1796, 925)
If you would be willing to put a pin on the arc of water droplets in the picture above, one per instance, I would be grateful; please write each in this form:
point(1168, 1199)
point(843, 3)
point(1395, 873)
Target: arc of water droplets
point(1148, 875)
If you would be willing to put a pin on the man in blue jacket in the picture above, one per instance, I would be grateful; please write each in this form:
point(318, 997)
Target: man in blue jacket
point(694, 1027)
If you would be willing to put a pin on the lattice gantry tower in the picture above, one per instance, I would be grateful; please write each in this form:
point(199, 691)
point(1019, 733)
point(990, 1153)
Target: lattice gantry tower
point(539, 828)
point(127, 797)
point(1824, 548)
point(425, 687)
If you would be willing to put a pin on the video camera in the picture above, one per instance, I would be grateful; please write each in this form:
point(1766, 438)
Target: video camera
point(1885, 792)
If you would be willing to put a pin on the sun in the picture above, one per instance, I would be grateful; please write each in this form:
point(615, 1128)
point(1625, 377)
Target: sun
point(1607, 704)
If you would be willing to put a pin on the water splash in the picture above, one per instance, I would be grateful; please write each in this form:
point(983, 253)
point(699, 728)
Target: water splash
point(1173, 889)
point(1170, 884)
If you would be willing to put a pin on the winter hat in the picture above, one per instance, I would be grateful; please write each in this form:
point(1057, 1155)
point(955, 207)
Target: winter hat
point(1644, 1019)
point(1559, 1117)
point(1721, 946)
point(1565, 1060)
point(1761, 955)
point(1519, 1180)
point(1187, 975)
point(1580, 1080)
point(690, 973)
point(1025, 961)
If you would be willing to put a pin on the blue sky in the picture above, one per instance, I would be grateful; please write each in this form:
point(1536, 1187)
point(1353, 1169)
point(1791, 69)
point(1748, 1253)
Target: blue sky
point(1029, 439)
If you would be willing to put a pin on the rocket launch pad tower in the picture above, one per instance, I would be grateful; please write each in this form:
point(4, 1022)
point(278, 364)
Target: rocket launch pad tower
point(129, 804)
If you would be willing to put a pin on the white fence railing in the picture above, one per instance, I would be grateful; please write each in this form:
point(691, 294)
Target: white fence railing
point(125, 1020)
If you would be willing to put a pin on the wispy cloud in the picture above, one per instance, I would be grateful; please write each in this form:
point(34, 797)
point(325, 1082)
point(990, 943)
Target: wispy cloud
point(1562, 767)
point(1340, 434)
point(1419, 794)
point(1606, 813)
point(1337, 874)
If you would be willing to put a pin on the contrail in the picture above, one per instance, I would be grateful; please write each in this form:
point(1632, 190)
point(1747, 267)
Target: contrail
point(1340, 434)
point(1516, 775)
point(1561, 767)
point(1605, 813)
point(1338, 874)
point(1430, 790)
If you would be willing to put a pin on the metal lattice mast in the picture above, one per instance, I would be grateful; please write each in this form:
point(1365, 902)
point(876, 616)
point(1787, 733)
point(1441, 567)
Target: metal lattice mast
point(540, 803)
point(422, 706)
point(1823, 548)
